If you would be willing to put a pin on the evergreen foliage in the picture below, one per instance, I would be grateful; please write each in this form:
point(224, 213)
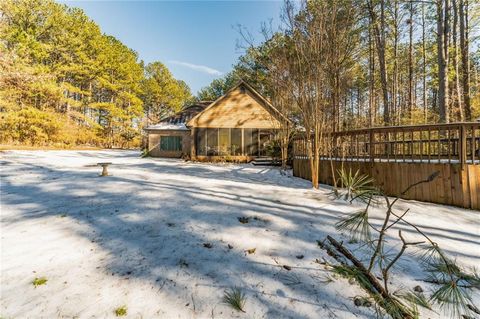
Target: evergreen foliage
point(453, 285)
point(63, 82)
point(350, 64)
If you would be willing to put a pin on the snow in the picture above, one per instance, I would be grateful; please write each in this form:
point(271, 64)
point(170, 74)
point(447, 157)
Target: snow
point(168, 126)
point(135, 238)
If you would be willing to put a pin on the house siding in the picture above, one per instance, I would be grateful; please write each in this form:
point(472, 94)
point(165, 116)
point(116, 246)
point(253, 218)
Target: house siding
point(242, 108)
point(154, 143)
point(237, 109)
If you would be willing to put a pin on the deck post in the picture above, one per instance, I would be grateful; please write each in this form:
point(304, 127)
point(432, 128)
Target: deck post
point(463, 146)
point(372, 147)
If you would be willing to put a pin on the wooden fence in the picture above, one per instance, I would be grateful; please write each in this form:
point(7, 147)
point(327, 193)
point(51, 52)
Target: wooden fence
point(399, 156)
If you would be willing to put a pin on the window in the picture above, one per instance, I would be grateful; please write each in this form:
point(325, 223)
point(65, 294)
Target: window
point(236, 141)
point(255, 142)
point(224, 141)
point(251, 141)
point(212, 141)
point(229, 141)
point(171, 143)
point(201, 142)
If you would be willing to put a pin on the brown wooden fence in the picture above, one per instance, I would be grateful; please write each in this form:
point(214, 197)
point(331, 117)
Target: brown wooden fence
point(399, 156)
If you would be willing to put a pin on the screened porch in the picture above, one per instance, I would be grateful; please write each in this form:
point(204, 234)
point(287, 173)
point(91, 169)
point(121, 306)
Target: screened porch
point(249, 142)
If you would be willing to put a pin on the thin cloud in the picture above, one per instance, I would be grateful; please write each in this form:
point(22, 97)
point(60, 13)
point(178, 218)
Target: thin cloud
point(197, 67)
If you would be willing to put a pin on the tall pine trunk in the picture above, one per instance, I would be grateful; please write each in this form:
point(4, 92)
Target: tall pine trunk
point(379, 32)
point(463, 15)
point(424, 68)
point(371, 95)
point(442, 59)
point(458, 95)
point(395, 111)
point(410, 65)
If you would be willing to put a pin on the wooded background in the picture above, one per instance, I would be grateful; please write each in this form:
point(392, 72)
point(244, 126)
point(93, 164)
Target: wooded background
point(329, 66)
point(63, 82)
point(384, 62)
point(342, 64)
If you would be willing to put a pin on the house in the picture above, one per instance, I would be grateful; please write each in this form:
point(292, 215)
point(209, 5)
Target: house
point(171, 137)
point(237, 126)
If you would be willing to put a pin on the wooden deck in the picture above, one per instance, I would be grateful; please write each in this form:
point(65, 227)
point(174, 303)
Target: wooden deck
point(399, 156)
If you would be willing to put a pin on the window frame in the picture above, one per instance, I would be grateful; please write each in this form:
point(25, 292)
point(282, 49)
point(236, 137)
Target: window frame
point(173, 143)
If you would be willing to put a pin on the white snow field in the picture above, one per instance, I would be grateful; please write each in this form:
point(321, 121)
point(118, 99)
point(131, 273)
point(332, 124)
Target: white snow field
point(136, 239)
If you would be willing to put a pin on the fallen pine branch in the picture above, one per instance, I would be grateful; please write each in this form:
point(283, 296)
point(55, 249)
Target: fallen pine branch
point(331, 252)
point(389, 303)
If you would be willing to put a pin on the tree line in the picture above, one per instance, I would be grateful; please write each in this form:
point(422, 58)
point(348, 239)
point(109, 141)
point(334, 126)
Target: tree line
point(386, 62)
point(347, 63)
point(63, 82)
point(343, 64)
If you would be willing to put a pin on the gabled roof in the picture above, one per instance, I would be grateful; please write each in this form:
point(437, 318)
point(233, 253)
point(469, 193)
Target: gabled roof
point(266, 102)
point(179, 120)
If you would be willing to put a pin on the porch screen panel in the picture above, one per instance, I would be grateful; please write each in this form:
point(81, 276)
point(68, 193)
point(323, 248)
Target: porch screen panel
point(201, 142)
point(247, 140)
point(255, 142)
point(236, 141)
point(224, 141)
point(212, 141)
point(251, 141)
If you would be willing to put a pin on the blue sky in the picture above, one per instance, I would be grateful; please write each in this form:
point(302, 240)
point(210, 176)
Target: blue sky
point(195, 39)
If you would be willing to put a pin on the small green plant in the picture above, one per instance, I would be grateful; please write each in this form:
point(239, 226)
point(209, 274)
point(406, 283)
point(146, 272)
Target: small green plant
point(235, 298)
point(273, 149)
point(121, 311)
point(355, 186)
point(144, 153)
point(39, 281)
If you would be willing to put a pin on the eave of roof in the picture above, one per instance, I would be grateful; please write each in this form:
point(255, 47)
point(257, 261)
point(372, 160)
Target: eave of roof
point(177, 121)
point(163, 126)
point(251, 89)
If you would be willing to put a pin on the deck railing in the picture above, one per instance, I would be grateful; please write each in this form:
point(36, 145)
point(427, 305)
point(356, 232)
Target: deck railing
point(432, 143)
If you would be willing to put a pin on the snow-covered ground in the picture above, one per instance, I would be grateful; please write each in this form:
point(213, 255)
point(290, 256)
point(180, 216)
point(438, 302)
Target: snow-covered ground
point(136, 239)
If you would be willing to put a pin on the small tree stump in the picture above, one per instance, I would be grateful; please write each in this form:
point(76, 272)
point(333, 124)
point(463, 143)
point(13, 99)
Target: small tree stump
point(104, 168)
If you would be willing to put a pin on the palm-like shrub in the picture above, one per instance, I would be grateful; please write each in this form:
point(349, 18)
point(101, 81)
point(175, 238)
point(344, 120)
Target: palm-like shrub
point(355, 186)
